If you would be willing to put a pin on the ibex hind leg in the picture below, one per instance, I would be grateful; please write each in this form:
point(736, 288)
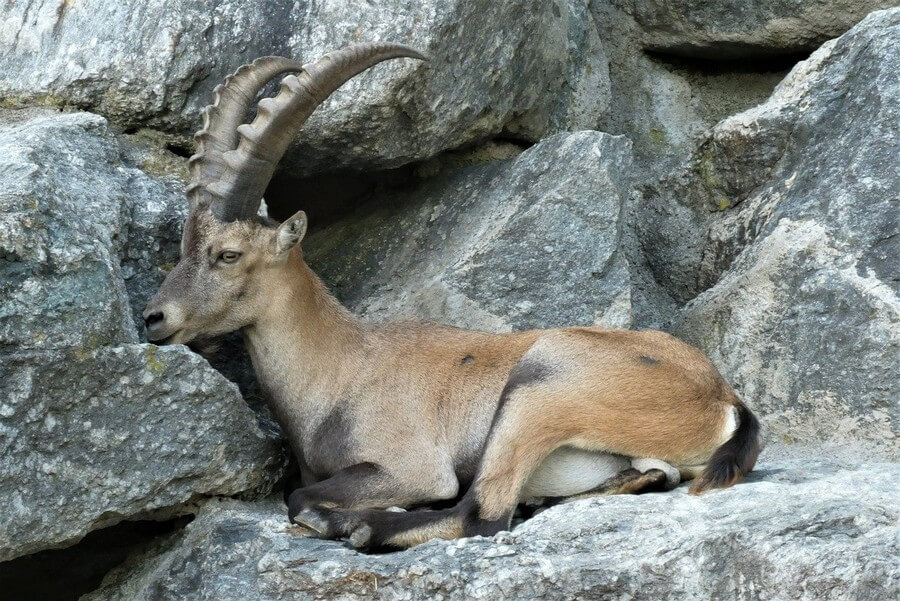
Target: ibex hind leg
point(375, 530)
point(627, 482)
point(514, 451)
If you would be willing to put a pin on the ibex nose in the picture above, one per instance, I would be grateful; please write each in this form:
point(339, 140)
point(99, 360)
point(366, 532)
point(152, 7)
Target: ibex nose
point(153, 318)
point(162, 321)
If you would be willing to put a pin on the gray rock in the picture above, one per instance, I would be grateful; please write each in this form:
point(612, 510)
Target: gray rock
point(805, 317)
point(90, 439)
point(155, 64)
point(807, 336)
point(798, 529)
point(73, 207)
point(664, 103)
point(729, 29)
point(823, 147)
point(62, 214)
point(527, 242)
point(95, 428)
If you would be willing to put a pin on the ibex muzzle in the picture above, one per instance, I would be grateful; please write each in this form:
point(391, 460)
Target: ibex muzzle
point(410, 413)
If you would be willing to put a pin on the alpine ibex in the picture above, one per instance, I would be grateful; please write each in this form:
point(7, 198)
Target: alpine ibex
point(408, 414)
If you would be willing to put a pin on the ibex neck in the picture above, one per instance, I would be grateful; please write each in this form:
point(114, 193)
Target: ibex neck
point(305, 348)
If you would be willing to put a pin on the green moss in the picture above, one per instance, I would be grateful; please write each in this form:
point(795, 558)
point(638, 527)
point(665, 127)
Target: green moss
point(161, 165)
point(711, 183)
point(658, 138)
point(155, 157)
point(93, 342)
point(153, 362)
point(708, 171)
point(18, 102)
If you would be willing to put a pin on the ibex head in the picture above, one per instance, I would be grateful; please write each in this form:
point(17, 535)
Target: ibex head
point(228, 253)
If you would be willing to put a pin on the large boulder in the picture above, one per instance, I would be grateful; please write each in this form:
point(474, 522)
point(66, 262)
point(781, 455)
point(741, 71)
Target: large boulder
point(155, 64)
point(808, 336)
point(94, 427)
point(732, 29)
point(90, 439)
point(800, 528)
point(823, 147)
point(532, 241)
point(787, 217)
point(62, 211)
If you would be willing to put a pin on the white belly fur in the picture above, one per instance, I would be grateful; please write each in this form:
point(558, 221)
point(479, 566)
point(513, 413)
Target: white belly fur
point(569, 471)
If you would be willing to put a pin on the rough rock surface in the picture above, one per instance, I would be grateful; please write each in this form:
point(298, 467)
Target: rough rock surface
point(89, 439)
point(495, 246)
point(809, 337)
point(822, 148)
point(155, 64)
point(726, 29)
point(95, 428)
point(804, 320)
point(62, 211)
point(665, 103)
point(796, 530)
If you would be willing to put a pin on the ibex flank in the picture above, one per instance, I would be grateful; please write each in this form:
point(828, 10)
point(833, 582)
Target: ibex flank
point(407, 414)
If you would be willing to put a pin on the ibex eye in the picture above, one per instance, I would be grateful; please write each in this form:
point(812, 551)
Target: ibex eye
point(229, 256)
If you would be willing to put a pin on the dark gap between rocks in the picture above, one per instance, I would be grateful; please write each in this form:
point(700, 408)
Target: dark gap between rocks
point(722, 88)
point(179, 150)
point(67, 574)
point(774, 63)
point(328, 197)
point(730, 53)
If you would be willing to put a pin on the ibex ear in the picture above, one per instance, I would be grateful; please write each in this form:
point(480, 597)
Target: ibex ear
point(291, 232)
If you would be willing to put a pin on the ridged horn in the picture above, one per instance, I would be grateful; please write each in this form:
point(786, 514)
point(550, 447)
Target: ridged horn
point(221, 119)
point(243, 171)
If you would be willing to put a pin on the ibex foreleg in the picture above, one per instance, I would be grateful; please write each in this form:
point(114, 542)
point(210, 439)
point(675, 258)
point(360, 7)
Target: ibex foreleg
point(361, 485)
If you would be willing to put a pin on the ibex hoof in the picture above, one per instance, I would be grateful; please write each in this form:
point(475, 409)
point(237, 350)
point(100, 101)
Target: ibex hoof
point(361, 536)
point(317, 521)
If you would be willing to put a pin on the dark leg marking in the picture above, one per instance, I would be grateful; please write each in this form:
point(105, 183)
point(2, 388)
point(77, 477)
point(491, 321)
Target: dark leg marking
point(293, 477)
point(525, 373)
point(331, 445)
point(376, 529)
point(310, 506)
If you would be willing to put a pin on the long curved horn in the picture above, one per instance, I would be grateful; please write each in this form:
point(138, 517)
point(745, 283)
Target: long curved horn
point(243, 172)
point(221, 119)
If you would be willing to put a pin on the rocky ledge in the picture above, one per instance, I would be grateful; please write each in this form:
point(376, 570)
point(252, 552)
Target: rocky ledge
point(801, 527)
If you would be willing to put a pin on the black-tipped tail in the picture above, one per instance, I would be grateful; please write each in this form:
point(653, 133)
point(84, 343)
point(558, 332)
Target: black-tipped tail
point(734, 458)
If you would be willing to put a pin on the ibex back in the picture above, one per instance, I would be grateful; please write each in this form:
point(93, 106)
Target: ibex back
point(408, 414)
